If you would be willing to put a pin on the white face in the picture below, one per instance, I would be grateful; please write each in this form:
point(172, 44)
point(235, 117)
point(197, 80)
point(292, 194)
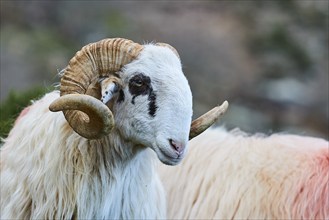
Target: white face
point(154, 106)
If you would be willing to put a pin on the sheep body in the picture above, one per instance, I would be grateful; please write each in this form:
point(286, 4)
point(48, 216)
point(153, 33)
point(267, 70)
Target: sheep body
point(53, 166)
point(230, 175)
point(99, 161)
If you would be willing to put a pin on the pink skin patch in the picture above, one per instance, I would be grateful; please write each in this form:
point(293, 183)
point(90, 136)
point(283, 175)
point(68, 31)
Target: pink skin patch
point(312, 200)
point(23, 113)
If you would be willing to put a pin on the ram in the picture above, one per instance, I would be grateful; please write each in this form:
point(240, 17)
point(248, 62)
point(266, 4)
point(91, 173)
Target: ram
point(232, 175)
point(120, 100)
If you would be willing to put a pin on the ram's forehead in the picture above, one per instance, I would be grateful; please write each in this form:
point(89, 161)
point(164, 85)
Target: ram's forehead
point(156, 57)
point(161, 54)
point(156, 62)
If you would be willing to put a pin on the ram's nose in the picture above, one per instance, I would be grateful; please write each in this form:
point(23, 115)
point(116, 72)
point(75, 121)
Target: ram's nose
point(177, 146)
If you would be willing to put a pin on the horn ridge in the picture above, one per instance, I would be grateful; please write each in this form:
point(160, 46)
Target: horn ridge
point(85, 115)
point(94, 60)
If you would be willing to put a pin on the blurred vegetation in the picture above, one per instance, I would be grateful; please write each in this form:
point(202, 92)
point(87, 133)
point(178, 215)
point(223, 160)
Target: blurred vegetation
point(268, 58)
point(279, 42)
point(14, 104)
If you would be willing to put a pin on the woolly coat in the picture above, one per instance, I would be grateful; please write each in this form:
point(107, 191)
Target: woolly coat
point(48, 171)
point(229, 175)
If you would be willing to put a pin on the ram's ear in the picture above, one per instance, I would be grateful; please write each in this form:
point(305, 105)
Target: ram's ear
point(109, 87)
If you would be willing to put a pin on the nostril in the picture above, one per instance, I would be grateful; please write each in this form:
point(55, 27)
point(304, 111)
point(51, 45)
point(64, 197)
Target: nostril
point(179, 147)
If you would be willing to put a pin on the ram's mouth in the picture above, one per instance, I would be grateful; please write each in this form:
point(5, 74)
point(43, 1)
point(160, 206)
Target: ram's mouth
point(168, 158)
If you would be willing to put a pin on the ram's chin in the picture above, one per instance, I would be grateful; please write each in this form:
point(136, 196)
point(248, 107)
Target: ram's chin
point(170, 162)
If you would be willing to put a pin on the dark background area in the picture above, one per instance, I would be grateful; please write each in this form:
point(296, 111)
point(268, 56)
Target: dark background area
point(269, 59)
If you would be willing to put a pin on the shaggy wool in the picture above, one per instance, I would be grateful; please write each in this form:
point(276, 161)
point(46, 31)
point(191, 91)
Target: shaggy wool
point(230, 175)
point(50, 172)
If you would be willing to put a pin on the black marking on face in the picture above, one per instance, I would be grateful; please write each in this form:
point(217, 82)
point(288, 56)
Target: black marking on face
point(141, 85)
point(152, 104)
point(121, 97)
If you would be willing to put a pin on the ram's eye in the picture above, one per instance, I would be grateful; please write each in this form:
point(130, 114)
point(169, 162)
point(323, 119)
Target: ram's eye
point(137, 82)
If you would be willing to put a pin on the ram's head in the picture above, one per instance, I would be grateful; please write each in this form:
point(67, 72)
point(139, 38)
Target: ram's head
point(138, 89)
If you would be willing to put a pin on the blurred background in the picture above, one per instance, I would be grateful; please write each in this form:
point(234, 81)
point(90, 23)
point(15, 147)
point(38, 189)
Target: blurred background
point(269, 59)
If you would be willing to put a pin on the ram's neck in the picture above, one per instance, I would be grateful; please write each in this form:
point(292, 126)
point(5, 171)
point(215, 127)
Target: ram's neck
point(117, 180)
point(55, 167)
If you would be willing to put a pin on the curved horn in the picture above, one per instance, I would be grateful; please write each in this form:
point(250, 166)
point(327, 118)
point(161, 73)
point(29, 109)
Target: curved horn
point(200, 124)
point(95, 60)
point(97, 120)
